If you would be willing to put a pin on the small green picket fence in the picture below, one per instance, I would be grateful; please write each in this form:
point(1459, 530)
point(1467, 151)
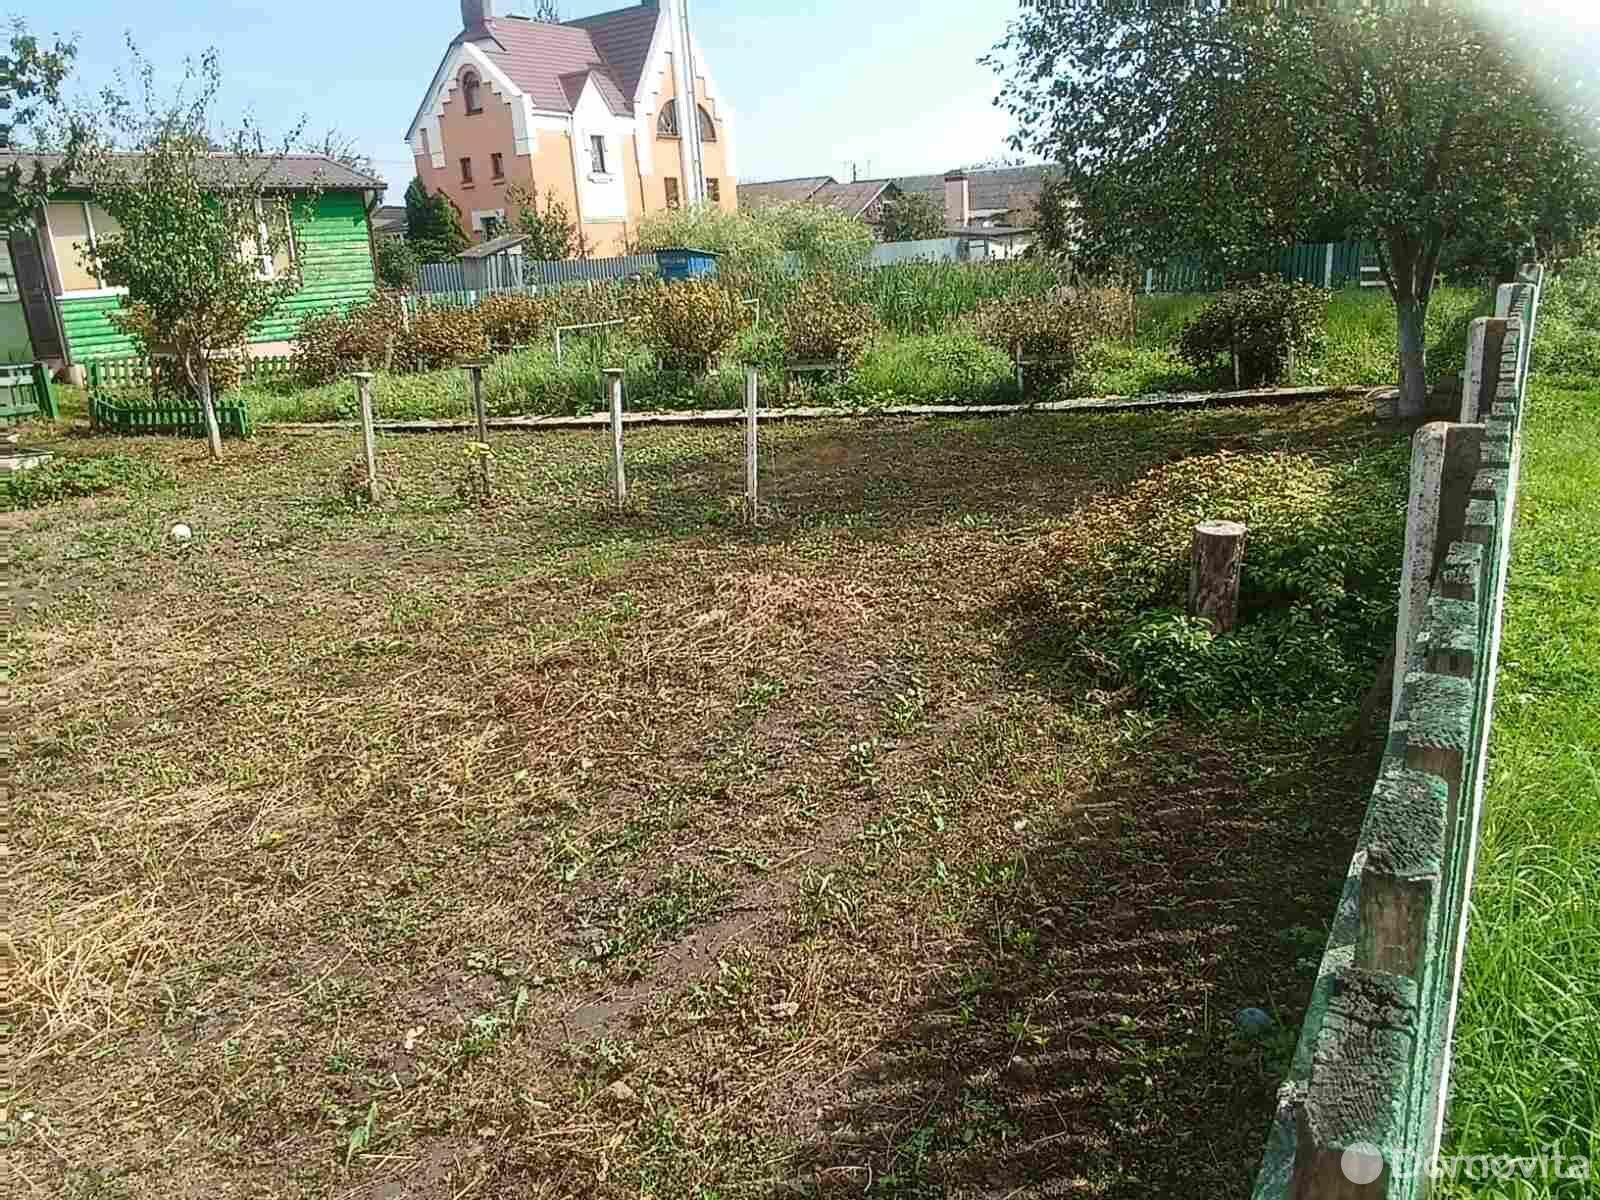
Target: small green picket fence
point(25, 393)
point(116, 407)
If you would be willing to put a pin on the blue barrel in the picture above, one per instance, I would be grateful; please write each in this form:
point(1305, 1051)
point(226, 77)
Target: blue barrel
point(679, 263)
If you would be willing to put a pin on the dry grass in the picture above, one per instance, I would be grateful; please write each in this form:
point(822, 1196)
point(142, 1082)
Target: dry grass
point(542, 850)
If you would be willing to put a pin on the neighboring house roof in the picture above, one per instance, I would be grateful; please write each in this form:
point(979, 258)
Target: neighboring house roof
point(782, 191)
point(291, 172)
point(494, 246)
point(551, 62)
point(1000, 190)
point(389, 218)
point(852, 199)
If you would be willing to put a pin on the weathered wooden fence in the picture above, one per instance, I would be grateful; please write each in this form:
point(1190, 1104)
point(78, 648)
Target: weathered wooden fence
point(1361, 1113)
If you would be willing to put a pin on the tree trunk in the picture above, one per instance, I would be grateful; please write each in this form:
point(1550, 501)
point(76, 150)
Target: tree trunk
point(1215, 561)
point(1412, 316)
point(213, 430)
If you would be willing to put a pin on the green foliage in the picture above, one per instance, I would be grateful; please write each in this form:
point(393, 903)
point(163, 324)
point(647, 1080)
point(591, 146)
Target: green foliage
point(821, 325)
point(65, 478)
point(1260, 321)
point(761, 241)
point(31, 75)
point(552, 233)
point(196, 225)
point(433, 224)
point(331, 344)
point(1051, 330)
point(1055, 219)
point(438, 337)
point(1569, 321)
point(948, 368)
point(689, 322)
point(911, 217)
point(396, 264)
point(1209, 128)
point(1316, 594)
point(516, 319)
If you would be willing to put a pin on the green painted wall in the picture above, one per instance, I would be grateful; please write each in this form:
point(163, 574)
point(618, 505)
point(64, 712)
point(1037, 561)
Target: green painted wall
point(15, 345)
point(335, 260)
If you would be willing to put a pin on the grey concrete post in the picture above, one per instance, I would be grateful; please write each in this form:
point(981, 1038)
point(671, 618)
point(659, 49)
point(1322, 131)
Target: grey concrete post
point(369, 447)
point(619, 475)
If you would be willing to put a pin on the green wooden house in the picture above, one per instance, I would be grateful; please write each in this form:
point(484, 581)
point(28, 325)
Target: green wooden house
point(65, 306)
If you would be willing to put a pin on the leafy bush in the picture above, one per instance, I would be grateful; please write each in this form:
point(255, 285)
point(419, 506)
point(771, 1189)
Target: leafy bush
point(1260, 320)
point(757, 241)
point(1045, 330)
point(331, 345)
point(517, 319)
point(64, 478)
point(946, 368)
point(396, 263)
point(438, 337)
point(820, 325)
point(687, 323)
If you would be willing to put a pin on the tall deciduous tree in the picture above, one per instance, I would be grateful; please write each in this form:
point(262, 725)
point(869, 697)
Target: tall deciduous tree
point(1225, 127)
point(32, 116)
point(910, 217)
point(433, 224)
point(203, 236)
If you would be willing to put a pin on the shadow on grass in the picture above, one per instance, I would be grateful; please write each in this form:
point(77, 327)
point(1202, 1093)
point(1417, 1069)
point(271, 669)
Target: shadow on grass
point(1083, 1039)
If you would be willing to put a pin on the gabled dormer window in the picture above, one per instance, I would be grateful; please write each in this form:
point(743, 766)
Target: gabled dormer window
point(469, 92)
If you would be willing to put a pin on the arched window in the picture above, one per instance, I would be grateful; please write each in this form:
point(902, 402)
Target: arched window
point(667, 122)
point(469, 91)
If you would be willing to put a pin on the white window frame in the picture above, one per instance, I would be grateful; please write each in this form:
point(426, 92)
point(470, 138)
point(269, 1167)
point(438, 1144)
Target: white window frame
point(599, 170)
point(50, 243)
point(265, 267)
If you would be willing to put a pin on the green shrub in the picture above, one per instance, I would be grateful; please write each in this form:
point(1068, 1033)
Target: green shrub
point(1045, 330)
point(517, 319)
point(396, 263)
point(1260, 321)
point(330, 345)
point(64, 478)
point(687, 323)
point(439, 337)
point(820, 325)
point(947, 368)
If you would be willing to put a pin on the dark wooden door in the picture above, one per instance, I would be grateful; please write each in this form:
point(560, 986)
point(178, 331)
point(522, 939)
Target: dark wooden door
point(38, 305)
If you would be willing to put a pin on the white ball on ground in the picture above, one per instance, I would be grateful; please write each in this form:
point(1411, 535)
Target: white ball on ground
point(181, 532)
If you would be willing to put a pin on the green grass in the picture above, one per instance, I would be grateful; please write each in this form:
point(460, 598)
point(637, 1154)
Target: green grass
point(1527, 1052)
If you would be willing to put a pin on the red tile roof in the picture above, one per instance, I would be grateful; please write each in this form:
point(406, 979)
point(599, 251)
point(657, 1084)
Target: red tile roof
point(543, 59)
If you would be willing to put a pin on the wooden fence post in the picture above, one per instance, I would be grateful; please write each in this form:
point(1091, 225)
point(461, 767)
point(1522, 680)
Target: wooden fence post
point(619, 474)
point(475, 370)
point(751, 392)
point(1019, 371)
point(1214, 564)
point(369, 447)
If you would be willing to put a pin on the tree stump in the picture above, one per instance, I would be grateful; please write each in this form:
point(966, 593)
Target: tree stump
point(1214, 565)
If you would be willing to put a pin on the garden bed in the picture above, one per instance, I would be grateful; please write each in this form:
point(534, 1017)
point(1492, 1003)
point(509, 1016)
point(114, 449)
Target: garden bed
point(540, 849)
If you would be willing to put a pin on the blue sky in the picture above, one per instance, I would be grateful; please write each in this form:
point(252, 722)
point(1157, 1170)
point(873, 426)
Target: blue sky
point(817, 85)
